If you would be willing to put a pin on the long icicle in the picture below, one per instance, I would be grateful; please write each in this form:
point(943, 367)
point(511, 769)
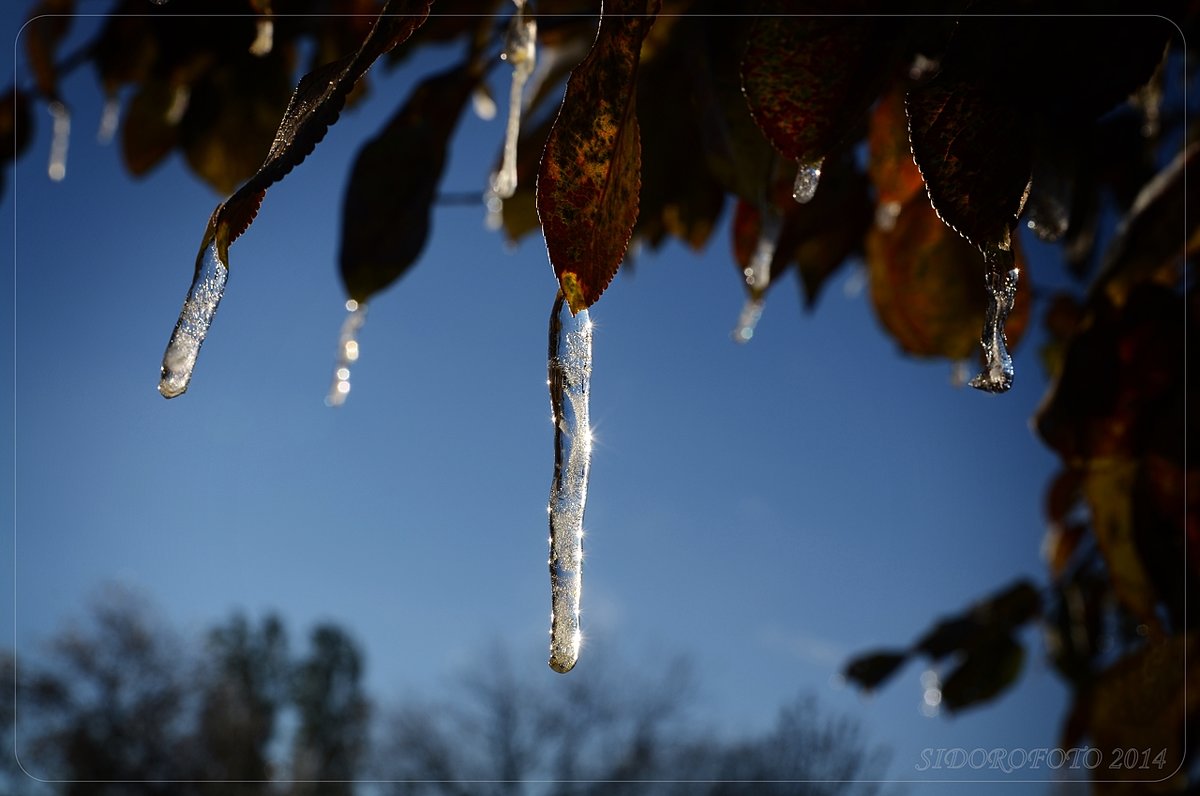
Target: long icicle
point(208, 286)
point(1002, 275)
point(520, 50)
point(570, 370)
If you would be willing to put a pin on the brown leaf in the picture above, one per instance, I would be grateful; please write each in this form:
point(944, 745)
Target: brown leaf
point(232, 113)
point(590, 175)
point(149, 132)
point(926, 286)
point(890, 162)
point(386, 210)
point(1144, 701)
point(48, 23)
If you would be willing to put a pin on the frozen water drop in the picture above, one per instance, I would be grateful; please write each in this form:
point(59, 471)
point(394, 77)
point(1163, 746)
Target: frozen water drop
point(570, 370)
point(808, 177)
point(108, 120)
point(482, 103)
point(347, 352)
point(1002, 275)
point(61, 137)
point(208, 285)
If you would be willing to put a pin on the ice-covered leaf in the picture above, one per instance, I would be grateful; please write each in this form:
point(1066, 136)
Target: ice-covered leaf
point(590, 174)
point(870, 670)
point(809, 80)
point(925, 285)
point(388, 202)
point(987, 670)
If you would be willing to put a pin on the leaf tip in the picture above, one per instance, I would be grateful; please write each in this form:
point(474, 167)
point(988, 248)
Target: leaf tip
point(573, 292)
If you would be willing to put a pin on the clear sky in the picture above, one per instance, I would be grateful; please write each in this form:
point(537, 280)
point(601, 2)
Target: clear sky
point(767, 510)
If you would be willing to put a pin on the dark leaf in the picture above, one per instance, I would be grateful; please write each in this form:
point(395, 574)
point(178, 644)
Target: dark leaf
point(232, 113)
point(996, 616)
point(871, 670)
point(16, 125)
point(675, 101)
point(927, 286)
point(1154, 234)
point(974, 154)
point(386, 212)
point(1143, 700)
point(48, 23)
point(986, 672)
point(149, 131)
point(590, 175)
point(1116, 372)
point(809, 80)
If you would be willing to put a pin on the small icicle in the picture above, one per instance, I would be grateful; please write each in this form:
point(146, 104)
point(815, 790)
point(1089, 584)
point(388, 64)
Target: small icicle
point(570, 370)
point(808, 176)
point(758, 272)
point(1002, 275)
point(199, 307)
point(59, 141)
point(347, 352)
point(520, 50)
point(264, 37)
point(108, 120)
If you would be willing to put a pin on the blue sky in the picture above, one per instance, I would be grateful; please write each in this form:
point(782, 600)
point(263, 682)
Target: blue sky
point(767, 510)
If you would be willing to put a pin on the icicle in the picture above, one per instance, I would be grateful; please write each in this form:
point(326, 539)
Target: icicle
point(347, 352)
point(199, 307)
point(1002, 275)
point(570, 370)
point(264, 37)
point(108, 120)
point(758, 272)
point(59, 141)
point(520, 50)
point(808, 176)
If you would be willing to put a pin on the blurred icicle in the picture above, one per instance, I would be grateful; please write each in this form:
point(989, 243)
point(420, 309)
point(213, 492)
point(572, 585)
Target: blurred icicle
point(109, 118)
point(61, 138)
point(570, 370)
point(758, 272)
point(347, 352)
point(520, 50)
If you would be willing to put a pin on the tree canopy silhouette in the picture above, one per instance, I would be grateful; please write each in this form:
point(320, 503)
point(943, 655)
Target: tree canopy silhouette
point(917, 143)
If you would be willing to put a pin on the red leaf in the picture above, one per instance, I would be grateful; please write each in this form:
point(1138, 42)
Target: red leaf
point(590, 175)
point(808, 80)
